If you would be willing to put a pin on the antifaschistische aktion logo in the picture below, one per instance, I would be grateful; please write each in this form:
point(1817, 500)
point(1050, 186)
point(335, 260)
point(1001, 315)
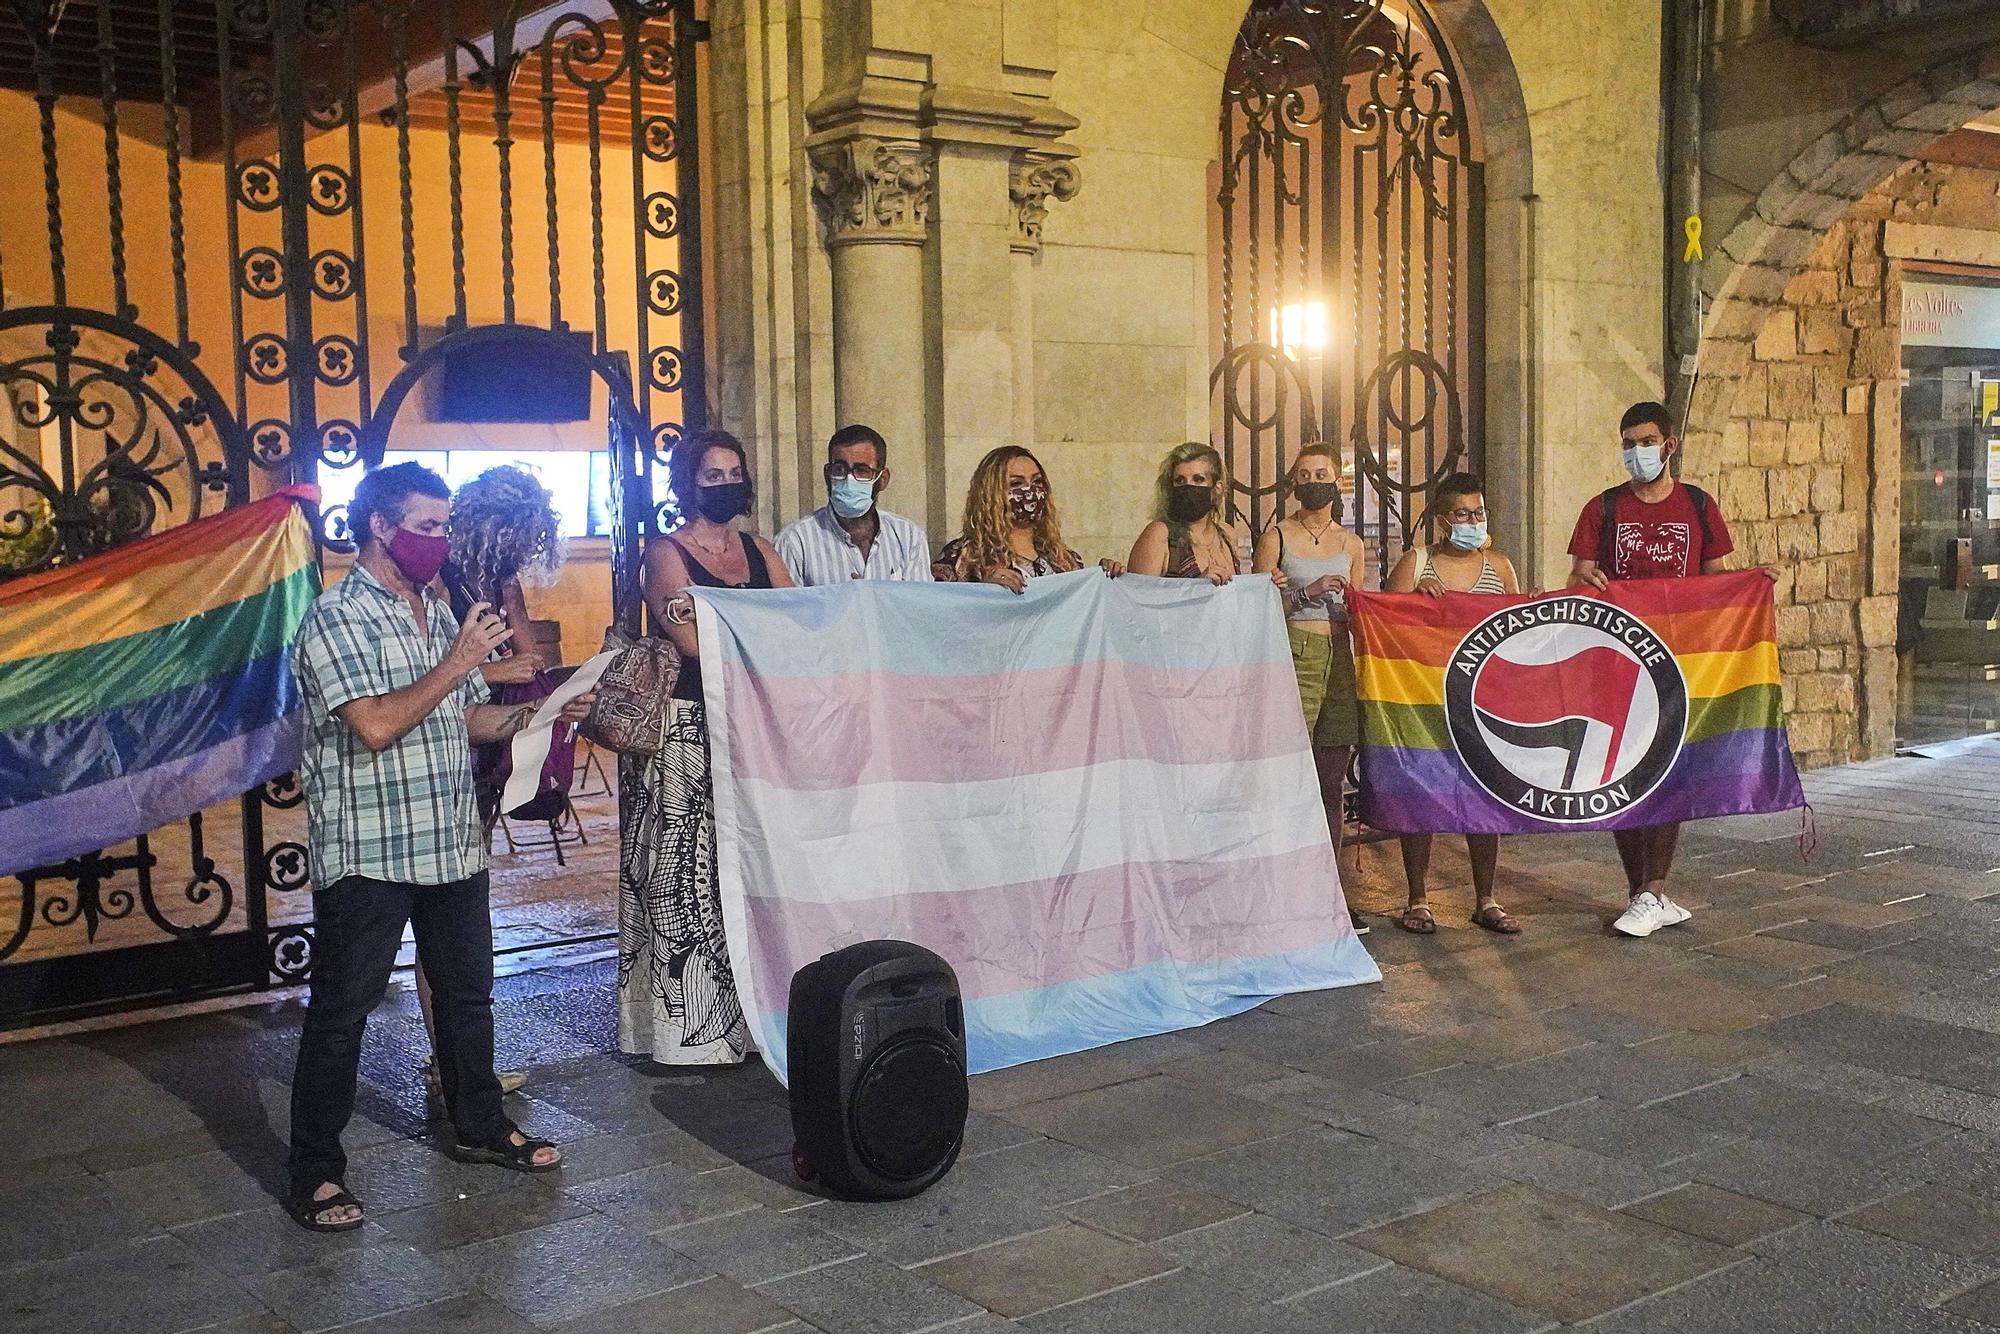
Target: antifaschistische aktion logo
point(1567, 709)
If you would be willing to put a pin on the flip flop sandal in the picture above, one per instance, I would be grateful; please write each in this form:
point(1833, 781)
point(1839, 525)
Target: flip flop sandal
point(501, 1151)
point(1496, 919)
point(1415, 925)
point(306, 1211)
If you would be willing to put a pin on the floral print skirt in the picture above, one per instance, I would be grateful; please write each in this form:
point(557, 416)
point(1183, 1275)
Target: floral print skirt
point(676, 995)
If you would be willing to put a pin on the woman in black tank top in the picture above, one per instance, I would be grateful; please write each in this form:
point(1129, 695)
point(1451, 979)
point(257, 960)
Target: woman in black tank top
point(677, 999)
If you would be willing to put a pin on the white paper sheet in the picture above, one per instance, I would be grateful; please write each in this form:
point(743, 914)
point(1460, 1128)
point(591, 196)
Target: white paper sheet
point(531, 743)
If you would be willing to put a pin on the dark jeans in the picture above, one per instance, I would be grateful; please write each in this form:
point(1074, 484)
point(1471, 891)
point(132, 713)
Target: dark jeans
point(357, 930)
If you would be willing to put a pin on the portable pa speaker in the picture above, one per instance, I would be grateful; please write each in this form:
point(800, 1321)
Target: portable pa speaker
point(877, 1064)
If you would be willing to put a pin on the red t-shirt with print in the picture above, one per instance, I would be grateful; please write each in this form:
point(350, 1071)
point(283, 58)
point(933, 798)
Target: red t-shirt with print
point(1651, 541)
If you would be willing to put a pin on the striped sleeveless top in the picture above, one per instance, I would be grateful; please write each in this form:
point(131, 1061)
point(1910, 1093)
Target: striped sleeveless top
point(1488, 581)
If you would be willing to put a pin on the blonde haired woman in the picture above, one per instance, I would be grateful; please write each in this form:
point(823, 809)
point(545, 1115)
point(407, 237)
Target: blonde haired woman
point(1012, 533)
point(1187, 539)
point(1318, 559)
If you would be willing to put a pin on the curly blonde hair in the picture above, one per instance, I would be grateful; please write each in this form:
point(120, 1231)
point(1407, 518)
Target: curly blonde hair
point(504, 526)
point(988, 521)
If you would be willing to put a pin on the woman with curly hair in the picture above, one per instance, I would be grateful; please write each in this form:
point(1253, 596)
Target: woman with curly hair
point(504, 532)
point(1011, 530)
point(1187, 539)
point(677, 1000)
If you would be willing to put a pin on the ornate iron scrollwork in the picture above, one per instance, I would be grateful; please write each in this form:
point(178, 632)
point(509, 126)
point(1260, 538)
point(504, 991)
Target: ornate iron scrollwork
point(111, 429)
point(91, 894)
point(291, 955)
point(1351, 225)
point(114, 433)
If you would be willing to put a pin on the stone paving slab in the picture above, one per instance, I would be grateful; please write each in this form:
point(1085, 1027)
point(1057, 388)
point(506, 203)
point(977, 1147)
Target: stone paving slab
point(1153, 1211)
point(1936, 1217)
point(868, 1296)
point(1151, 1122)
point(1258, 1256)
point(1784, 1115)
point(1047, 1269)
point(1544, 1252)
point(1719, 1215)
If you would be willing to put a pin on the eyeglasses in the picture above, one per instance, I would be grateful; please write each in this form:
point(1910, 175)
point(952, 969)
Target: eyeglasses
point(862, 472)
point(1467, 516)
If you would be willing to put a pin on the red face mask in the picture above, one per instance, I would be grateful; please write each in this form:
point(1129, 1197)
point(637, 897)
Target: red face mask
point(418, 556)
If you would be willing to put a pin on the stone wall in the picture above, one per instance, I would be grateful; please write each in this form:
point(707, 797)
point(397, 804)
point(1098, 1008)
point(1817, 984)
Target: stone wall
point(1769, 98)
point(1797, 430)
point(1076, 320)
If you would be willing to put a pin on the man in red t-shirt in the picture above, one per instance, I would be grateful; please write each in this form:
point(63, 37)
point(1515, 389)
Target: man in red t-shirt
point(1651, 527)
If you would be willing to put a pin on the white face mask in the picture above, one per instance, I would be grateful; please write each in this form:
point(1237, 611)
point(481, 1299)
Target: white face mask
point(1643, 462)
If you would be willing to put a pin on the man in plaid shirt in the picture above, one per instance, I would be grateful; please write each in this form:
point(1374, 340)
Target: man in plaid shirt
point(394, 704)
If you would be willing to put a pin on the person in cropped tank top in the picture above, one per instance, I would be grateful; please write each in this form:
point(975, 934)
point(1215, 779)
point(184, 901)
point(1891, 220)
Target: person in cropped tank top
point(1315, 559)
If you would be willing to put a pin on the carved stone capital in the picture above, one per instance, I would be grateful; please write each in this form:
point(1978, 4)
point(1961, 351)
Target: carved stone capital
point(1036, 178)
point(873, 190)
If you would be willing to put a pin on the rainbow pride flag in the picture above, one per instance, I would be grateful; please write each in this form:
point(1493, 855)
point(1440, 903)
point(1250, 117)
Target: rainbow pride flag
point(142, 685)
point(1094, 799)
point(1656, 701)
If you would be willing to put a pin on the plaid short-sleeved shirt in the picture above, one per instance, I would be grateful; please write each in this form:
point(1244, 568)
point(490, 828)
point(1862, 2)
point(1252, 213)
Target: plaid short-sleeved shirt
point(407, 813)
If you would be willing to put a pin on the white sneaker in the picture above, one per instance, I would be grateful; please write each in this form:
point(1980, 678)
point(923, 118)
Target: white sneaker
point(1677, 913)
point(1647, 913)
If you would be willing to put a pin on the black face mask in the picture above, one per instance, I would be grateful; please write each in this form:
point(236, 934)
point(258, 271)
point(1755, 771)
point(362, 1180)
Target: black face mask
point(1185, 504)
point(1318, 495)
point(720, 504)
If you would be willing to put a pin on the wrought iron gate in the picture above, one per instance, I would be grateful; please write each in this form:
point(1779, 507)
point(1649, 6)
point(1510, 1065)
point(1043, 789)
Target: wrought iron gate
point(1349, 288)
point(203, 310)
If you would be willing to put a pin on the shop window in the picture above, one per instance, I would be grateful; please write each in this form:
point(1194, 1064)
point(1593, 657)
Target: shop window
point(1948, 632)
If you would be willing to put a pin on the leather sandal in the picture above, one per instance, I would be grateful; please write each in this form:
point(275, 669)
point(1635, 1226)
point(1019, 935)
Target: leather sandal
point(501, 1151)
point(306, 1211)
point(1496, 919)
point(1423, 925)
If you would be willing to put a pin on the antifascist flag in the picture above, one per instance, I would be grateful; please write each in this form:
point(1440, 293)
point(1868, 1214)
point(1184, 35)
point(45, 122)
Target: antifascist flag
point(1552, 705)
point(1655, 701)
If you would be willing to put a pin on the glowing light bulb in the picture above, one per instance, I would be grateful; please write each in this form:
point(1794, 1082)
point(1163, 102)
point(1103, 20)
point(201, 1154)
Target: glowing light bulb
point(1299, 327)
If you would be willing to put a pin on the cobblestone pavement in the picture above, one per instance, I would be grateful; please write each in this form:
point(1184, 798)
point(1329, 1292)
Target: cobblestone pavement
point(1784, 1115)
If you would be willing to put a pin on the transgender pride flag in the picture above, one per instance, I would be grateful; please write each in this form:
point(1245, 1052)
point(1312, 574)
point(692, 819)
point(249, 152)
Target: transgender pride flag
point(1096, 800)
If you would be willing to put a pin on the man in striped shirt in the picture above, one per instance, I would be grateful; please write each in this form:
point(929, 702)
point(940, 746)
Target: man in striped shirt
point(851, 536)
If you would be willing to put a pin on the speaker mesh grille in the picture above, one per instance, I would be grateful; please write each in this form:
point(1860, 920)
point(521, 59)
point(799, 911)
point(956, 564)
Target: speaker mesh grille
point(909, 1107)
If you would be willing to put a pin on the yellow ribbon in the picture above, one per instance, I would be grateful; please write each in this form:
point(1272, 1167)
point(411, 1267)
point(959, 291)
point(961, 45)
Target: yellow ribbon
point(1692, 229)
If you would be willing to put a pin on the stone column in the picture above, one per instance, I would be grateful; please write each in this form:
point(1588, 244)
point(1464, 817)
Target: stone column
point(1035, 178)
point(875, 200)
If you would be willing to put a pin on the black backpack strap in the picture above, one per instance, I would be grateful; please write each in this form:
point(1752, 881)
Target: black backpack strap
point(1700, 500)
point(1607, 530)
